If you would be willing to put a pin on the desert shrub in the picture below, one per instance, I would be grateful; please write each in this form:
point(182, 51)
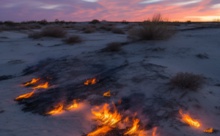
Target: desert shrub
point(73, 39)
point(89, 29)
point(187, 81)
point(94, 21)
point(117, 31)
point(51, 31)
point(202, 56)
point(156, 29)
point(112, 47)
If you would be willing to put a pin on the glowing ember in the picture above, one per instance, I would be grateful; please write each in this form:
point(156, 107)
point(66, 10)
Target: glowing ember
point(188, 120)
point(102, 130)
point(90, 81)
point(209, 130)
point(57, 110)
point(154, 131)
point(42, 86)
point(105, 116)
point(134, 128)
point(73, 105)
point(25, 96)
point(107, 94)
point(33, 81)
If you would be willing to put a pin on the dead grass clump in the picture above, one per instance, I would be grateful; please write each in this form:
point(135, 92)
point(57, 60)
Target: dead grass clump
point(117, 31)
point(89, 29)
point(187, 81)
point(202, 56)
point(112, 47)
point(156, 29)
point(73, 39)
point(52, 31)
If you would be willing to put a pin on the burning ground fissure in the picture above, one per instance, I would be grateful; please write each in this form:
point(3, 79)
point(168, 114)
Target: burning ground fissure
point(62, 84)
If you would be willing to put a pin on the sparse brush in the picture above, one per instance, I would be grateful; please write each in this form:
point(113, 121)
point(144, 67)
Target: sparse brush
point(156, 29)
point(52, 31)
point(187, 81)
point(112, 47)
point(117, 31)
point(89, 29)
point(73, 39)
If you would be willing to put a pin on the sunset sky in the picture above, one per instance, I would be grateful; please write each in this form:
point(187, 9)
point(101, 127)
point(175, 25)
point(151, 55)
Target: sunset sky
point(110, 10)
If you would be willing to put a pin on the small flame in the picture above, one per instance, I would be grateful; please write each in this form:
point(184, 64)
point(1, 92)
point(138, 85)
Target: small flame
point(42, 86)
point(107, 94)
point(154, 131)
point(102, 130)
point(25, 96)
point(107, 117)
point(134, 128)
point(91, 81)
point(209, 130)
point(188, 120)
point(57, 110)
point(73, 105)
point(33, 81)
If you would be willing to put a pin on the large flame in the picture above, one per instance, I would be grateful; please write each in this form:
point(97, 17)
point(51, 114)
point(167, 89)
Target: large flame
point(33, 81)
point(42, 86)
point(102, 130)
point(57, 109)
point(73, 105)
point(107, 94)
point(134, 128)
point(91, 81)
point(106, 116)
point(25, 96)
point(188, 120)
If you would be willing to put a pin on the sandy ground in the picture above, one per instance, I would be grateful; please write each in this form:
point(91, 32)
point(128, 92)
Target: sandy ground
point(177, 54)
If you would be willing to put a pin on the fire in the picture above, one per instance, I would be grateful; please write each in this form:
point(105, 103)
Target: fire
point(73, 105)
point(33, 81)
point(105, 116)
point(25, 96)
point(134, 128)
point(57, 110)
point(42, 86)
point(102, 130)
point(154, 131)
point(209, 130)
point(188, 120)
point(107, 94)
point(91, 81)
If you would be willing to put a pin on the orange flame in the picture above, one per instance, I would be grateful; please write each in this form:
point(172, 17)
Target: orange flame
point(154, 131)
point(33, 81)
point(188, 120)
point(105, 116)
point(42, 86)
point(57, 110)
point(102, 130)
point(91, 81)
point(73, 105)
point(134, 128)
point(107, 94)
point(25, 96)
point(209, 130)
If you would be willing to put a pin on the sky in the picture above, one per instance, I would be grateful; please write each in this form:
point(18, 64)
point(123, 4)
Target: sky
point(109, 10)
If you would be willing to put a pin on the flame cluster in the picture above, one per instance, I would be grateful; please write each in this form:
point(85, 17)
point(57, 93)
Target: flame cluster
point(185, 118)
point(33, 82)
point(91, 81)
point(110, 119)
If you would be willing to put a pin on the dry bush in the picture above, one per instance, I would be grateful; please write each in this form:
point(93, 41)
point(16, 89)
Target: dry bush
point(51, 31)
point(156, 29)
point(94, 21)
point(187, 81)
point(117, 31)
point(112, 47)
point(73, 39)
point(89, 29)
